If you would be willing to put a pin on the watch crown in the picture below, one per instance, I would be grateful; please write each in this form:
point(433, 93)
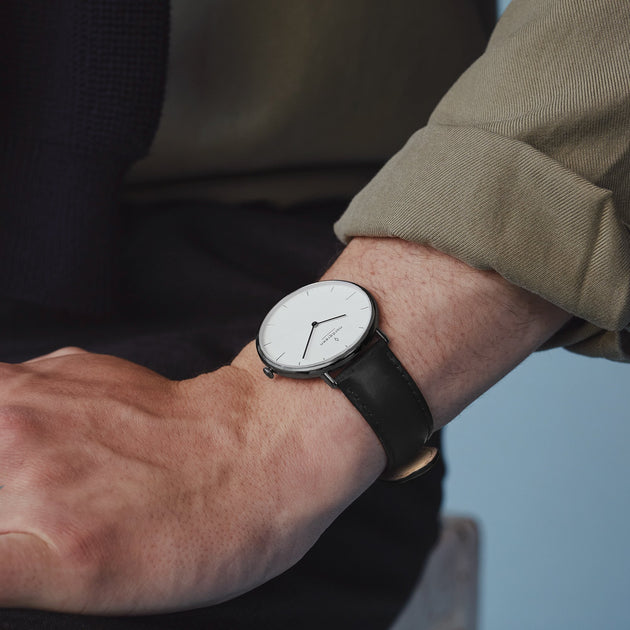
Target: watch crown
point(268, 372)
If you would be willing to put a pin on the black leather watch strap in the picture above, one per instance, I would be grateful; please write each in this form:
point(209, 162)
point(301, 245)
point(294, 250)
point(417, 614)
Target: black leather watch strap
point(382, 390)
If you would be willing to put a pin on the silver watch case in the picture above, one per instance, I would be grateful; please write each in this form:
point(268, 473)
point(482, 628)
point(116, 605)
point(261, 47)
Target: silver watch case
point(324, 371)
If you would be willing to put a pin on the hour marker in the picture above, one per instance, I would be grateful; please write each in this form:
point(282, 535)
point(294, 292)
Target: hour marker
point(307, 293)
point(332, 288)
point(353, 293)
point(284, 306)
point(280, 356)
point(361, 327)
point(266, 344)
point(363, 308)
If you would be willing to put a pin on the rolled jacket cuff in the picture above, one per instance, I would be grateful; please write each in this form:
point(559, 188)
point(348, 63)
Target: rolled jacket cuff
point(498, 203)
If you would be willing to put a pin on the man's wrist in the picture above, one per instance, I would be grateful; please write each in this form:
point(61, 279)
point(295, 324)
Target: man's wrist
point(337, 450)
point(457, 330)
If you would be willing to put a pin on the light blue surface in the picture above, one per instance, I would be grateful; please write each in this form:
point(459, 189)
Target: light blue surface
point(501, 4)
point(542, 461)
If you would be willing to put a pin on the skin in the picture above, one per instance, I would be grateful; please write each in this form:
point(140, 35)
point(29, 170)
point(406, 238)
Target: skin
point(125, 492)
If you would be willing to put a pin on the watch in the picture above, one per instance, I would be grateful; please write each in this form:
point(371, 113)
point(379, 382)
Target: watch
point(329, 329)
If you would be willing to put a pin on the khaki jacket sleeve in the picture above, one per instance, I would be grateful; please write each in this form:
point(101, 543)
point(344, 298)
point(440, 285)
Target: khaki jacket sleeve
point(524, 167)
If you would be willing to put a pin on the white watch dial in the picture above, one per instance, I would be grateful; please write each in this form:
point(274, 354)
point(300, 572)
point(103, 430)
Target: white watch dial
point(315, 326)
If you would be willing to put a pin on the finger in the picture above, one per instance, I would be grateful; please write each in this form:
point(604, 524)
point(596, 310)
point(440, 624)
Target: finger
point(62, 352)
point(26, 566)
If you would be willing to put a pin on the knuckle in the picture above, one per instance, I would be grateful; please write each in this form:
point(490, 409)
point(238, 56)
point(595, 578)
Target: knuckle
point(56, 354)
point(70, 350)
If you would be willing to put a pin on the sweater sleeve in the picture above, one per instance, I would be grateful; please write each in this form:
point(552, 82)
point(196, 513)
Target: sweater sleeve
point(524, 167)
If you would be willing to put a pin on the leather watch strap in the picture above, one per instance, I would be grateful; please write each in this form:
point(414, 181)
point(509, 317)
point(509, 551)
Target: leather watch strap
point(382, 390)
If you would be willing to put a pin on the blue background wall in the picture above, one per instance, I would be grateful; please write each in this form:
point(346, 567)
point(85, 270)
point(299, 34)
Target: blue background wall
point(542, 462)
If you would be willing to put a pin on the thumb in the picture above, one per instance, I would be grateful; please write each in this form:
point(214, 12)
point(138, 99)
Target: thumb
point(26, 566)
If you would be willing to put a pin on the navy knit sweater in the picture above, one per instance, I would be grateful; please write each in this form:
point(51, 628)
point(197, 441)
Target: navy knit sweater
point(81, 88)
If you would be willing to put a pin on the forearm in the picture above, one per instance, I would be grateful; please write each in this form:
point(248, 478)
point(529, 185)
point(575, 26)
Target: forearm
point(228, 478)
point(456, 329)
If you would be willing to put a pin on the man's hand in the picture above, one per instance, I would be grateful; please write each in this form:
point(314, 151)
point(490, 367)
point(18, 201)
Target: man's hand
point(124, 492)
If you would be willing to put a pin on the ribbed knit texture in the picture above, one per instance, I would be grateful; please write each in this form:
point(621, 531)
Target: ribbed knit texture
point(82, 88)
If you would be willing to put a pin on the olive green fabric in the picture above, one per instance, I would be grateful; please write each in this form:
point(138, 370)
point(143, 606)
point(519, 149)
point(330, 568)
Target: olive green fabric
point(293, 100)
point(524, 167)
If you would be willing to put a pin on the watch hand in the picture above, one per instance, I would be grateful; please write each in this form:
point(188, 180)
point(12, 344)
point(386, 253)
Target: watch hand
point(331, 318)
point(309, 337)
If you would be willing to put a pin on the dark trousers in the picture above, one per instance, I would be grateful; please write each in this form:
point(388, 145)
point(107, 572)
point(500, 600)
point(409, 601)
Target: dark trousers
point(198, 278)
